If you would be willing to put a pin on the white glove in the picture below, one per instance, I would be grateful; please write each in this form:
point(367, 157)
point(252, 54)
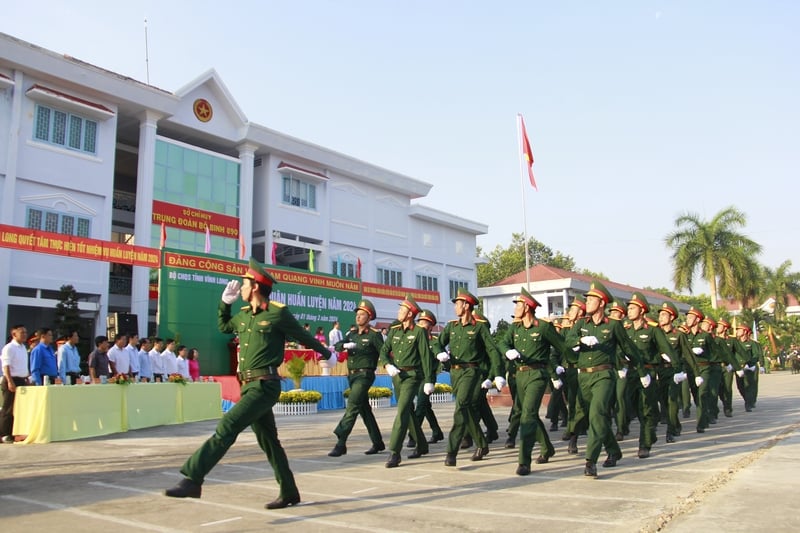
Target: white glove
point(645, 381)
point(428, 388)
point(589, 340)
point(729, 368)
point(560, 370)
point(679, 377)
point(231, 292)
point(499, 382)
point(622, 372)
point(487, 384)
point(392, 370)
point(556, 383)
point(349, 346)
point(333, 359)
point(666, 358)
point(740, 373)
point(762, 370)
point(698, 381)
point(697, 350)
point(443, 357)
point(750, 368)
point(512, 354)
point(577, 348)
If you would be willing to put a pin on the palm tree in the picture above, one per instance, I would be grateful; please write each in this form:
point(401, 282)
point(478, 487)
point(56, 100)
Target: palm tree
point(748, 284)
point(779, 284)
point(713, 247)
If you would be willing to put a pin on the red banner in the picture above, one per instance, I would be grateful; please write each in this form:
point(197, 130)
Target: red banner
point(398, 293)
point(193, 219)
point(46, 242)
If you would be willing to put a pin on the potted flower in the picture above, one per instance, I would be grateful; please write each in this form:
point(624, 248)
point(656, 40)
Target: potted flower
point(378, 396)
point(297, 402)
point(442, 392)
point(176, 378)
point(296, 367)
point(120, 379)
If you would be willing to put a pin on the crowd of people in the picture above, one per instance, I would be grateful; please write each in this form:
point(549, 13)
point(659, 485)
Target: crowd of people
point(39, 360)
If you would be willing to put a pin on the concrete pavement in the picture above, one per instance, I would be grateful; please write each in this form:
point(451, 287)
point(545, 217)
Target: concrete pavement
point(739, 475)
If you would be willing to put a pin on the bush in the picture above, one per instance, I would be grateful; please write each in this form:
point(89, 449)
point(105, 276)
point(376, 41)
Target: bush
point(302, 396)
point(442, 387)
point(374, 392)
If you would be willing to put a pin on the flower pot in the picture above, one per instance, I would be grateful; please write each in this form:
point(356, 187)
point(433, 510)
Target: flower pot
point(294, 409)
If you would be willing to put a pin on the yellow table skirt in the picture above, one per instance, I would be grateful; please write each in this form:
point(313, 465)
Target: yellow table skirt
point(56, 413)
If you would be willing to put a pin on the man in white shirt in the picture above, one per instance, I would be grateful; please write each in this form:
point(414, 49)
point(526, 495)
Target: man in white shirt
point(168, 359)
point(118, 357)
point(182, 364)
point(14, 359)
point(133, 354)
point(156, 363)
point(145, 367)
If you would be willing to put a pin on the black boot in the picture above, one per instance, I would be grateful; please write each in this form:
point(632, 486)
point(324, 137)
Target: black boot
point(186, 488)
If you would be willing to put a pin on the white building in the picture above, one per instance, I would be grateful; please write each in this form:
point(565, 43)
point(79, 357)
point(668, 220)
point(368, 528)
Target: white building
point(91, 153)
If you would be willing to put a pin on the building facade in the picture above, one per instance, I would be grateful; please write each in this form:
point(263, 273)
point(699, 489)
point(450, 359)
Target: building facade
point(88, 153)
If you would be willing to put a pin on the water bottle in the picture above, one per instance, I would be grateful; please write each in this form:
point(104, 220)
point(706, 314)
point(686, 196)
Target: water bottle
point(46, 381)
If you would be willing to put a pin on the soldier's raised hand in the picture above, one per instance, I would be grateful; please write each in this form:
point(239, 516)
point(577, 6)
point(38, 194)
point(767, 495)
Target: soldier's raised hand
point(231, 292)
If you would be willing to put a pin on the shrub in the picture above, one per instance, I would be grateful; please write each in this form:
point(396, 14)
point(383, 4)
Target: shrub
point(303, 396)
point(374, 392)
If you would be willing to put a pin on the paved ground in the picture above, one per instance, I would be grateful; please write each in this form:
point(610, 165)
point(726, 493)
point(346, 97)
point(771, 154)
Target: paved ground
point(738, 476)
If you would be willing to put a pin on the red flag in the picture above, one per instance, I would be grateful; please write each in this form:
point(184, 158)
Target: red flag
point(163, 235)
point(358, 268)
point(242, 249)
point(527, 152)
point(208, 240)
point(274, 253)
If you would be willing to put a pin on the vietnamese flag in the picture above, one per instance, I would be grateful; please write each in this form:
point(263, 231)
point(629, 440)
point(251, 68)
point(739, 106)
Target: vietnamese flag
point(527, 152)
point(163, 236)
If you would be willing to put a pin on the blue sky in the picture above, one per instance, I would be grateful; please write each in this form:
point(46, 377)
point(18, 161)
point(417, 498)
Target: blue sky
point(637, 111)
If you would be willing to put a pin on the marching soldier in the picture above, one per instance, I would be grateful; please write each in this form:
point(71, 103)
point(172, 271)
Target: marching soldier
point(624, 387)
point(751, 354)
point(528, 343)
point(576, 423)
point(424, 409)
point(725, 343)
point(673, 371)
point(704, 351)
point(363, 347)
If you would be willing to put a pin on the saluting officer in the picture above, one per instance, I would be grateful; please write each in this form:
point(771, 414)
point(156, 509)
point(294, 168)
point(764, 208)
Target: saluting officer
point(528, 343)
point(470, 345)
point(263, 327)
point(407, 358)
point(595, 340)
point(363, 347)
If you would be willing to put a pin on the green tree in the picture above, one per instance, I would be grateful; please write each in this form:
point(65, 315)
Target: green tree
point(504, 262)
point(67, 313)
point(714, 247)
point(780, 284)
point(748, 283)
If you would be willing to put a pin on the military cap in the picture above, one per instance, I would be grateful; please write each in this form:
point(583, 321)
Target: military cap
point(464, 294)
point(579, 302)
point(696, 312)
point(711, 322)
point(723, 322)
point(411, 304)
point(366, 306)
point(258, 272)
point(479, 316)
point(639, 299)
point(617, 305)
point(744, 327)
point(525, 296)
point(599, 290)
point(670, 308)
point(427, 314)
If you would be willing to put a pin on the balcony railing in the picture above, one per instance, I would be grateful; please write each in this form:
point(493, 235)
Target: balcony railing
point(117, 285)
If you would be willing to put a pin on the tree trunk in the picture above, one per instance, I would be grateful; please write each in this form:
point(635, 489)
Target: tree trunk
point(713, 286)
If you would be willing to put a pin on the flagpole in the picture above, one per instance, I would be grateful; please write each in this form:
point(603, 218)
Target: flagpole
point(522, 172)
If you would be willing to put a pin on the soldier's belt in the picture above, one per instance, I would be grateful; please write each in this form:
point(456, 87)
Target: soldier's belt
point(707, 363)
point(270, 372)
point(651, 366)
point(532, 366)
point(407, 368)
point(572, 365)
point(597, 368)
point(459, 366)
point(359, 370)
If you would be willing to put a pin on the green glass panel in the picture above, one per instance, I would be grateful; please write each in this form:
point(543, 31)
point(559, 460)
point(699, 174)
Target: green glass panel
point(174, 180)
point(204, 165)
point(190, 185)
point(190, 161)
point(204, 188)
point(161, 153)
point(175, 157)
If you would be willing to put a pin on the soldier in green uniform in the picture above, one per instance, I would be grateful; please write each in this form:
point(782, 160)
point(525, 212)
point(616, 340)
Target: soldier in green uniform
point(621, 401)
point(263, 327)
point(576, 422)
point(725, 343)
point(424, 409)
point(704, 351)
point(749, 352)
point(593, 342)
point(709, 325)
point(673, 371)
point(528, 343)
point(407, 358)
point(363, 347)
point(655, 349)
point(485, 413)
point(470, 345)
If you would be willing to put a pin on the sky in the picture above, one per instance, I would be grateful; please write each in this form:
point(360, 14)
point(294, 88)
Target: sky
point(637, 111)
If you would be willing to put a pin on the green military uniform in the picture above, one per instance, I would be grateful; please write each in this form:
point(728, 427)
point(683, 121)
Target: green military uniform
point(485, 413)
point(651, 343)
point(262, 335)
point(725, 344)
point(409, 351)
point(680, 349)
point(361, 363)
point(576, 422)
point(424, 408)
point(470, 345)
point(622, 401)
point(595, 344)
point(750, 354)
point(704, 359)
point(530, 347)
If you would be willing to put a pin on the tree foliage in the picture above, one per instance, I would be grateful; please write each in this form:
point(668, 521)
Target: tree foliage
point(779, 284)
point(504, 262)
point(67, 312)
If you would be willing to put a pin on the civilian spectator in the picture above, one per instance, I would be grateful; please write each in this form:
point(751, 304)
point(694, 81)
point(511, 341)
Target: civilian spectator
point(193, 358)
point(15, 374)
point(98, 359)
point(181, 364)
point(43, 358)
point(169, 360)
point(133, 354)
point(145, 368)
point(118, 356)
point(69, 360)
point(155, 359)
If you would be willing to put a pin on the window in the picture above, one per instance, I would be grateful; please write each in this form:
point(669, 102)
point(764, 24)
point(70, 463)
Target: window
point(343, 268)
point(427, 283)
point(390, 277)
point(455, 285)
point(299, 193)
point(57, 222)
point(64, 129)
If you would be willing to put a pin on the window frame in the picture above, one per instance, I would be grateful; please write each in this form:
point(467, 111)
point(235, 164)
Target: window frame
point(298, 193)
point(78, 222)
point(389, 277)
point(60, 127)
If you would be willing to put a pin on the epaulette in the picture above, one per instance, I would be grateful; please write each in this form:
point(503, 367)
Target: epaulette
point(374, 329)
point(454, 320)
point(397, 326)
point(480, 320)
point(244, 307)
point(276, 304)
